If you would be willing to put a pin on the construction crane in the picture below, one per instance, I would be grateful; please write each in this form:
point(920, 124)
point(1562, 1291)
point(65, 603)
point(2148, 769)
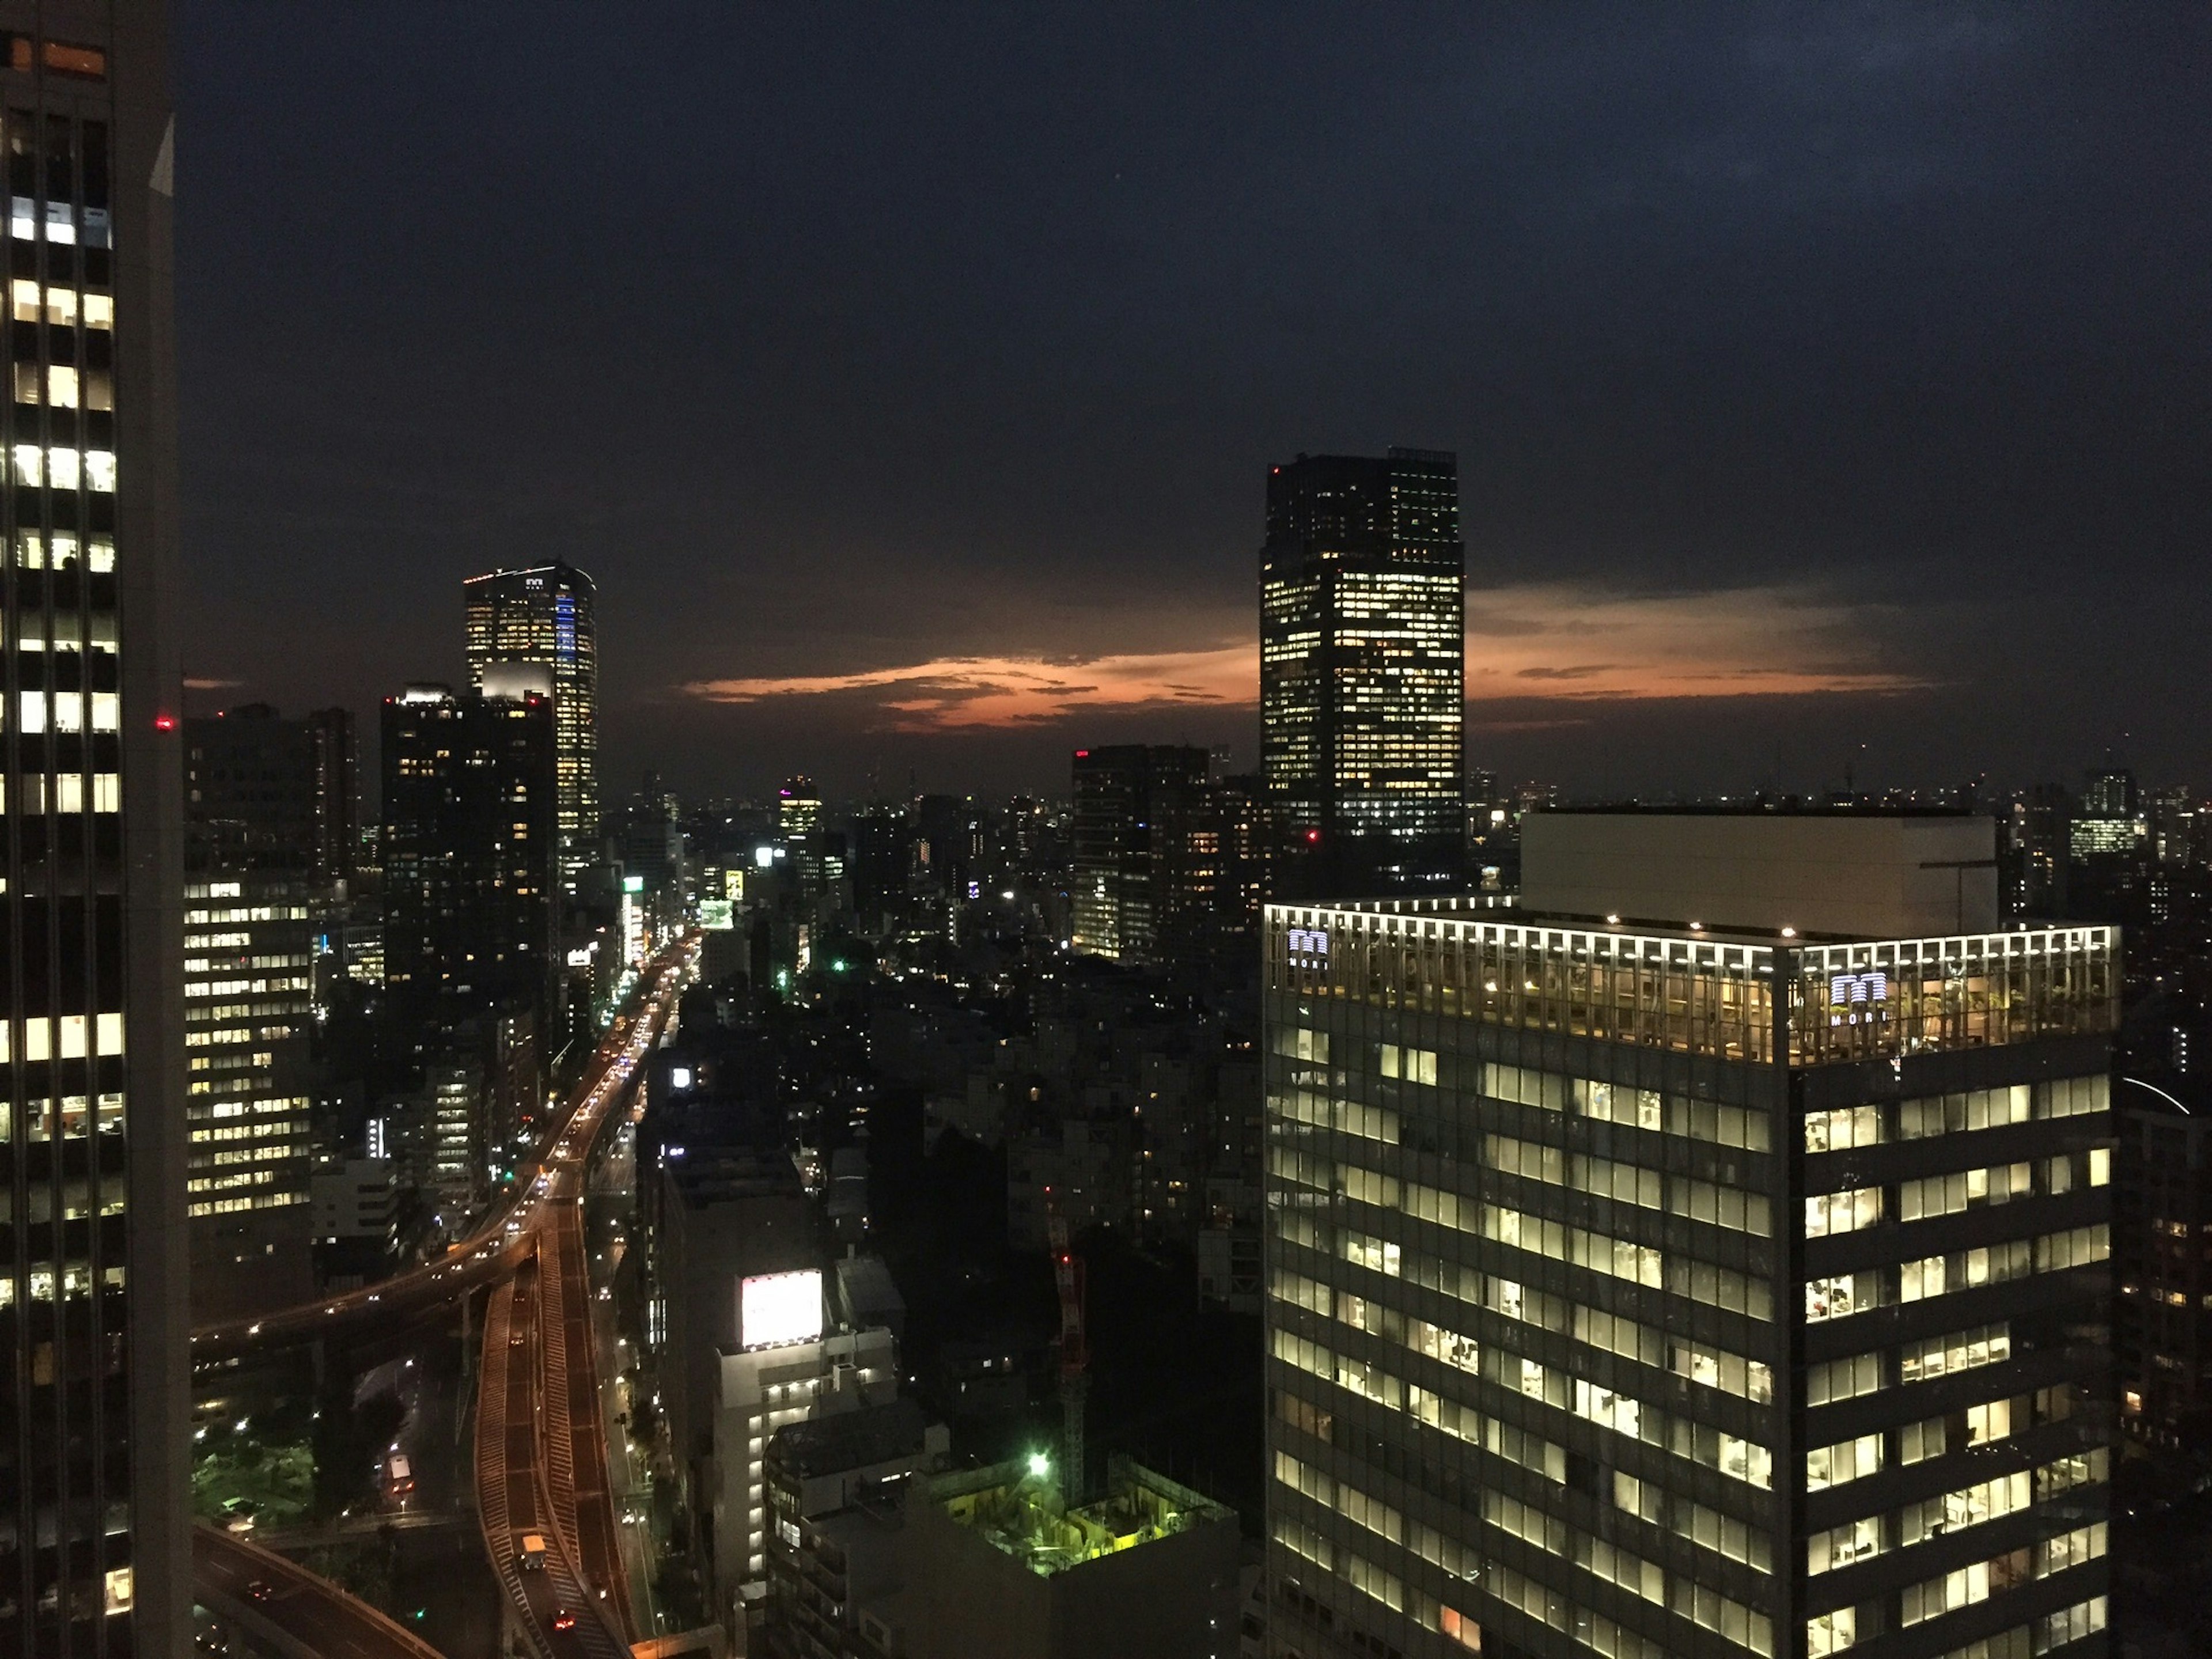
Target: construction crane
point(1074, 1361)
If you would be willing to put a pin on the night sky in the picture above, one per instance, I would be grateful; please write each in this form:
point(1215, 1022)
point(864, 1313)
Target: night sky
point(1822, 376)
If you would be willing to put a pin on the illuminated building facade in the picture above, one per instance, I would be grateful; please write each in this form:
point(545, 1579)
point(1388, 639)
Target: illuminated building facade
point(1362, 673)
point(788, 1367)
point(1664, 1291)
point(267, 809)
point(470, 861)
point(546, 615)
point(95, 1553)
point(249, 1005)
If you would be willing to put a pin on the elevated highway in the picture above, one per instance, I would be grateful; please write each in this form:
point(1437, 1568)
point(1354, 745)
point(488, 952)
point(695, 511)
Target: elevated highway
point(526, 1457)
point(283, 1608)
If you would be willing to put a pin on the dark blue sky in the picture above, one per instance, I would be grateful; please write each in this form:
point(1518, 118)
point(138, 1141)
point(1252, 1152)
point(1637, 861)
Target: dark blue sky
point(1821, 376)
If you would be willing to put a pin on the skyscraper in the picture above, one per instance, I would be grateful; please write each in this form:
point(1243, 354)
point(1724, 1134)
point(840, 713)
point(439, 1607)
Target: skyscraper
point(1362, 673)
point(1726, 1280)
point(469, 853)
point(95, 1553)
point(545, 615)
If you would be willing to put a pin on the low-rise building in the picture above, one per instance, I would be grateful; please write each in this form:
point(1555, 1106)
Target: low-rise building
point(995, 1566)
point(789, 1369)
point(837, 1493)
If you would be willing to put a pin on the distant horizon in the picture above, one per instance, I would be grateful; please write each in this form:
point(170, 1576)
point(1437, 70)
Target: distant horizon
point(1817, 379)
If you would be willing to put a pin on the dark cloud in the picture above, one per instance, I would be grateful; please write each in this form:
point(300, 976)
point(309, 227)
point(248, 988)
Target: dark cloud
point(832, 341)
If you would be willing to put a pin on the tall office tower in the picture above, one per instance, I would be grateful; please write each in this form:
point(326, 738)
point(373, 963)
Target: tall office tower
point(338, 793)
point(469, 859)
point(1135, 872)
point(546, 615)
point(1363, 654)
point(254, 907)
point(1707, 1257)
point(95, 1553)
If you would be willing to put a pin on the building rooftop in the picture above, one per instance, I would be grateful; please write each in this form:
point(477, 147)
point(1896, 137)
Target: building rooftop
point(1701, 990)
point(849, 1440)
point(1021, 1513)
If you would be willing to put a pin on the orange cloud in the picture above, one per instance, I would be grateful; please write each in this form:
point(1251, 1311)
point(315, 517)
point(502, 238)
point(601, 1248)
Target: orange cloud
point(965, 691)
point(1568, 641)
point(1553, 642)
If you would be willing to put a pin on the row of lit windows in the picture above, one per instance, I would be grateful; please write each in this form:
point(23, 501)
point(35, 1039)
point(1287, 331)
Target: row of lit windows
point(1355, 1569)
point(71, 1037)
point(60, 305)
point(1849, 1127)
point(1970, 1585)
point(69, 793)
point(246, 913)
point(59, 551)
point(1699, 1281)
point(264, 1146)
point(1707, 1201)
point(61, 386)
point(283, 1198)
point(74, 1114)
point(237, 1178)
point(35, 466)
point(76, 1203)
point(1610, 1562)
point(1839, 1296)
point(66, 632)
point(231, 987)
point(67, 711)
point(75, 1281)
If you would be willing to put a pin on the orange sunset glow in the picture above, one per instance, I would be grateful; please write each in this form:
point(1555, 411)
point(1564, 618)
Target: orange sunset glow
point(1554, 641)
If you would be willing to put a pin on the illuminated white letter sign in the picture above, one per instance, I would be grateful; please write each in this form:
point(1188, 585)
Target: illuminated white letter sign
point(1852, 996)
point(779, 1308)
point(1310, 942)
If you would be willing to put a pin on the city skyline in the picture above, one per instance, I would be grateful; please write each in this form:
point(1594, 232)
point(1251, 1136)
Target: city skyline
point(1815, 384)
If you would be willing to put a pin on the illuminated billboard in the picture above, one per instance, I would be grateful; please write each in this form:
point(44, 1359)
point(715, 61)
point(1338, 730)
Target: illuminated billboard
point(716, 914)
point(778, 1307)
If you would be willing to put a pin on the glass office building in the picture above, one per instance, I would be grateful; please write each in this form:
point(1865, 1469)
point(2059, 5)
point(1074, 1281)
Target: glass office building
point(1363, 656)
point(93, 1410)
point(1646, 1290)
point(545, 616)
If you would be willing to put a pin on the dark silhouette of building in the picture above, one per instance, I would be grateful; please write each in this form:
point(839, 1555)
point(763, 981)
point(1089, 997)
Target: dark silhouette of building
point(338, 793)
point(1362, 671)
point(1136, 865)
point(470, 861)
point(2162, 1317)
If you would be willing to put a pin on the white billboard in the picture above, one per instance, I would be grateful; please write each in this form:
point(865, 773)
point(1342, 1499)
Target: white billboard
point(778, 1307)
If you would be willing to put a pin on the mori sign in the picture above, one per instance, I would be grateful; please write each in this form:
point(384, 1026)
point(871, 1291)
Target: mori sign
point(1310, 942)
point(779, 1308)
point(1857, 999)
